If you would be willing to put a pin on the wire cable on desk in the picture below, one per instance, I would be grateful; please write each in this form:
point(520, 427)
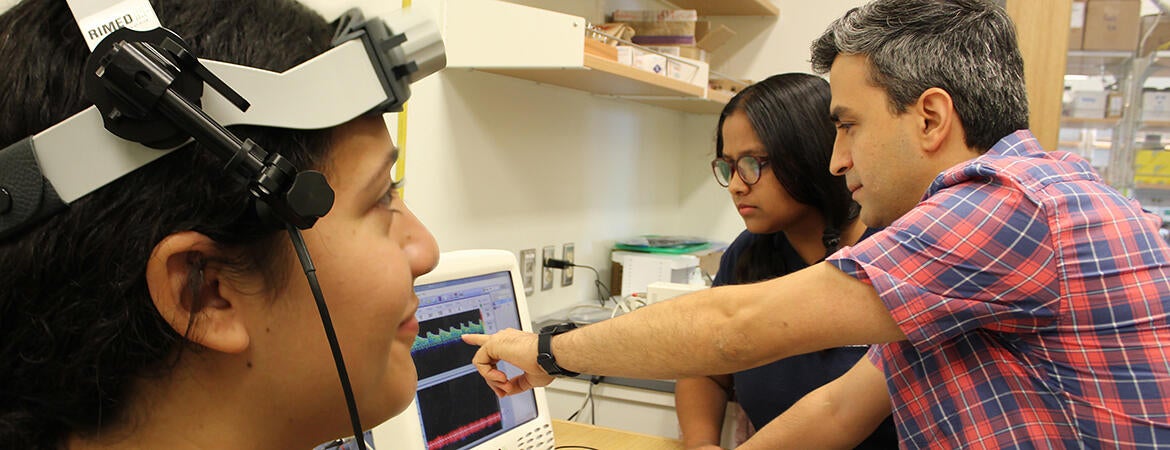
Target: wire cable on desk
point(581, 447)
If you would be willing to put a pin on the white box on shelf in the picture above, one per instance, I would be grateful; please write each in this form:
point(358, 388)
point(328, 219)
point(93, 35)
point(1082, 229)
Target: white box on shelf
point(650, 62)
point(625, 55)
point(1089, 104)
point(688, 70)
point(1156, 105)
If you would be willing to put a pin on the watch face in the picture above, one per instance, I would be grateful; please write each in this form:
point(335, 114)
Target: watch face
point(547, 363)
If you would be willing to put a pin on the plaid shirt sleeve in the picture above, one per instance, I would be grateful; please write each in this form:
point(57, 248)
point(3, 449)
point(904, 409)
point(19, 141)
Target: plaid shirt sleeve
point(973, 255)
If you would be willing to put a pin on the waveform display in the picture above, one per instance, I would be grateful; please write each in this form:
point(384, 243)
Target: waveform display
point(438, 347)
point(458, 412)
point(466, 433)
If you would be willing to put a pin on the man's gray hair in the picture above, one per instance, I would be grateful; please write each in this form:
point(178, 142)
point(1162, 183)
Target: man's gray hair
point(965, 47)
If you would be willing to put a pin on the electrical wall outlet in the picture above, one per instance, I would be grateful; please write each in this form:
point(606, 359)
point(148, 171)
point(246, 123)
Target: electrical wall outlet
point(567, 273)
point(528, 270)
point(546, 279)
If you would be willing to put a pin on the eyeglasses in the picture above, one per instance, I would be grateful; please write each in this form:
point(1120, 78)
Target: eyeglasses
point(748, 168)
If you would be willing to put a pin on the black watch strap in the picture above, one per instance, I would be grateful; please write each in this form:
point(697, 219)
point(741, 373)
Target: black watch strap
point(544, 355)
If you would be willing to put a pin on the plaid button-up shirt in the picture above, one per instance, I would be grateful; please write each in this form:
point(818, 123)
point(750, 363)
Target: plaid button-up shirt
point(1034, 298)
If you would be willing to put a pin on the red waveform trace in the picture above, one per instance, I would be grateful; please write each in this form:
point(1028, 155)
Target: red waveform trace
point(463, 432)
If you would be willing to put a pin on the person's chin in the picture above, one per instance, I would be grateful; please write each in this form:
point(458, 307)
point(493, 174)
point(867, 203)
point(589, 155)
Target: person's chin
point(757, 226)
point(397, 392)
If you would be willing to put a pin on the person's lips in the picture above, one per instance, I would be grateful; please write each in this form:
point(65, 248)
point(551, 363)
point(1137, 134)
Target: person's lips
point(408, 328)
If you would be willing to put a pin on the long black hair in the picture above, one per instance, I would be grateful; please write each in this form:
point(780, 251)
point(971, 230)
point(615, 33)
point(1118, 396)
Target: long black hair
point(77, 324)
point(790, 114)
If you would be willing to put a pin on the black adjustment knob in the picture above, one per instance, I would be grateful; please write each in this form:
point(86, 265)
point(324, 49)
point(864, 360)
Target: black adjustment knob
point(310, 195)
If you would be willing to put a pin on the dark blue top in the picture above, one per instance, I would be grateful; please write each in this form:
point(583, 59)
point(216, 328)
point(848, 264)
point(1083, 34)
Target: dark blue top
point(766, 391)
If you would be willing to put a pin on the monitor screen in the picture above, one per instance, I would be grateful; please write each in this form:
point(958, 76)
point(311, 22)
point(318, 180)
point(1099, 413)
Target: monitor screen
point(471, 291)
point(456, 406)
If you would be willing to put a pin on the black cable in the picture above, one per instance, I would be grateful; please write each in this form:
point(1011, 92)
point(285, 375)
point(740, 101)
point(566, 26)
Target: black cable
point(593, 380)
point(602, 290)
point(581, 447)
point(311, 275)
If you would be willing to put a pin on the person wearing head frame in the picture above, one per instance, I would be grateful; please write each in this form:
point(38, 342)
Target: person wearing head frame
point(1016, 300)
point(165, 309)
point(772, 142)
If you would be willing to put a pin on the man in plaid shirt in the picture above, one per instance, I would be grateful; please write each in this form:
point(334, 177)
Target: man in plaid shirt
point(1017, 300)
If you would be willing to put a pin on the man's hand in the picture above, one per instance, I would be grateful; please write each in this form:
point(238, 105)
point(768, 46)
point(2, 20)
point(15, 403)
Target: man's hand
point(515, 347)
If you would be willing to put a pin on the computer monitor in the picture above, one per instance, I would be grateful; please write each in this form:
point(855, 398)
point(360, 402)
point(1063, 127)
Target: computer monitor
point(471, 291)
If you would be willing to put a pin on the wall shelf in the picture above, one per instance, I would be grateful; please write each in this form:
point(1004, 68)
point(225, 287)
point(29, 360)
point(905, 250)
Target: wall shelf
point(549, 47)
point(729, 7)
point(1096, 63)
point(1110, 122)
point(713, 103)
point(605, 77)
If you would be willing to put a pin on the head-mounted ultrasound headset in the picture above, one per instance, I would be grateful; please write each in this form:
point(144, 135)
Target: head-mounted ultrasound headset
point(147, 89)
point(148, 93)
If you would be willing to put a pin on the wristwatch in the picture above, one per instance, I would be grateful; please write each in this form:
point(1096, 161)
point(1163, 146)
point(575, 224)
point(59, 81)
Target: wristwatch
point(544, 355)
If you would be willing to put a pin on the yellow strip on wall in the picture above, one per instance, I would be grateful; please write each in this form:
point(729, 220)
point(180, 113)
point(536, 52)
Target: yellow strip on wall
point(400, 166)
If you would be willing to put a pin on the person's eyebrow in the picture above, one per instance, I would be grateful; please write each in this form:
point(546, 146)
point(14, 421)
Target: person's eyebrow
point(837, 112)
point(378, 180)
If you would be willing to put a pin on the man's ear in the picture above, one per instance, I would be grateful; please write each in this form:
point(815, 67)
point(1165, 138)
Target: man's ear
point(937, 110)
point(194, 296)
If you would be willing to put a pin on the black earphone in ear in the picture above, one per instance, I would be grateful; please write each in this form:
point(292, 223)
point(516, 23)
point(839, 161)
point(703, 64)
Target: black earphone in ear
point(147, 85)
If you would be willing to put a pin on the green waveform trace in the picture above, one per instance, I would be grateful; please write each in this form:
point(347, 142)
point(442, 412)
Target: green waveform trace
point(432, 340)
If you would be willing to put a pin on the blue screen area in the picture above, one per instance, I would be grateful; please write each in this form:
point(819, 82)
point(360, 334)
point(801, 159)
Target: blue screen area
point(456, 407)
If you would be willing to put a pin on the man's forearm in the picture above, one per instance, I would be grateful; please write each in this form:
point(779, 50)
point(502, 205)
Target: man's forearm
point(731, 328)
point(840, 414)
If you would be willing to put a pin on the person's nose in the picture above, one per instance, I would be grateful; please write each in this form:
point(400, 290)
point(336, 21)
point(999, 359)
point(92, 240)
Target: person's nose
point(418, 243)
point(841, 161)
point(736, 185)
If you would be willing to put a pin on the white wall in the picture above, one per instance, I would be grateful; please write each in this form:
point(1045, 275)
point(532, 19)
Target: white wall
point(507, 163)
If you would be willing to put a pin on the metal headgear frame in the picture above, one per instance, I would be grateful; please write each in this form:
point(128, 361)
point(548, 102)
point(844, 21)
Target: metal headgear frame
point(149, 99)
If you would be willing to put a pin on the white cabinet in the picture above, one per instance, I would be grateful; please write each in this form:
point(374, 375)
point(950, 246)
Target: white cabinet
point(638, 410)
point(625, 408)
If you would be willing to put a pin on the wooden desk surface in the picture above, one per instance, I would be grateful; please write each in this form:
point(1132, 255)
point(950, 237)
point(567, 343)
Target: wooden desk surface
point(573, 433)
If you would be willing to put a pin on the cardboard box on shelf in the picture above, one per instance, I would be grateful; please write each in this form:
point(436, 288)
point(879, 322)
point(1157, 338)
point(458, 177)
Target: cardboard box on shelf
point(710, 38)
point(659, 22)
point(731, 86)
point(600, 49)
point(1089, 104)
point(1112, 25)
point(1115, 104)
point(1159, 36)
point(1076, 29)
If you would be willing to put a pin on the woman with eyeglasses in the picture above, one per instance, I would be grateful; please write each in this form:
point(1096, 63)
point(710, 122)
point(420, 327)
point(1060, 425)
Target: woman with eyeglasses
point(772, 150)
